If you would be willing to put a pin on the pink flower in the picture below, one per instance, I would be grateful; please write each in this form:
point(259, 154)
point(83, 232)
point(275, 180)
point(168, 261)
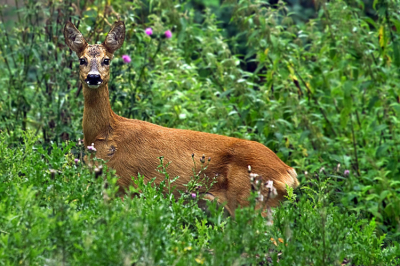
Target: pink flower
point(91, 148)
point(346, 172)
point(149, 31)
point(193, 195)
point(127, 59)
point(168, 34)
point(76, 160)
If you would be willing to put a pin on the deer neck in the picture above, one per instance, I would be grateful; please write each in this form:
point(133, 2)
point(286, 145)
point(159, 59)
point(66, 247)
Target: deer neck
point(98, 117)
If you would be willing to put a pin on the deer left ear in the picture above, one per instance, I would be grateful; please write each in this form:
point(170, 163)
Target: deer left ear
point(115, 38)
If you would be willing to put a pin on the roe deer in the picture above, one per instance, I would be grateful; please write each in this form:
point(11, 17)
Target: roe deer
point(132, 146)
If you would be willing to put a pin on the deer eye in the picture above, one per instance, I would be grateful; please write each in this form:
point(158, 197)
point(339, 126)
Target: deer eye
point(106, 61)
point(82, 61)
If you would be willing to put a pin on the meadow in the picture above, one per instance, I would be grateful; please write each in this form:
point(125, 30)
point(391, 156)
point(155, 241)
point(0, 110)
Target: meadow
point(316, 83)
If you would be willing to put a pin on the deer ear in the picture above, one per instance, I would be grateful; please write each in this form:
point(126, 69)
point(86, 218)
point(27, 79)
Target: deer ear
point(73, 38)
point(115, 38)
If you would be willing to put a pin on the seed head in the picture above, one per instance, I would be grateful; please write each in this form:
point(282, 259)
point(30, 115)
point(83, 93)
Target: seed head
point(53, 173)
point(252, 175)
point(91, 148)
point(260, 197)
point(98, 171)
point(269, 184)
point(272, 193)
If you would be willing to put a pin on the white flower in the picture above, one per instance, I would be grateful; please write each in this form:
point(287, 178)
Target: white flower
point(272, 190)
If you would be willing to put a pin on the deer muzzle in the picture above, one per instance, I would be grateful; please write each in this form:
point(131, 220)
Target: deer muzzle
point(93, 80)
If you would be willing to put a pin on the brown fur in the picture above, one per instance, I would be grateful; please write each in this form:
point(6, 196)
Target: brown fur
point(131, 146)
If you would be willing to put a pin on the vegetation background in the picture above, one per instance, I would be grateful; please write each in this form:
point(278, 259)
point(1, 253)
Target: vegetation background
point(315, 81)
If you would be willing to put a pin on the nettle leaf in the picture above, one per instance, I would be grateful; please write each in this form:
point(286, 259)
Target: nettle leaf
point(344, 116)
point(396, 52)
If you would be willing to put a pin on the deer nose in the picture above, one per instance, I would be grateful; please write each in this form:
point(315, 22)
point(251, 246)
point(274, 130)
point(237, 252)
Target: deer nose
point(93, 79)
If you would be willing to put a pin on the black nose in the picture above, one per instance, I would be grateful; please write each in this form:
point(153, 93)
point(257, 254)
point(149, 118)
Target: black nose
point(93, 79)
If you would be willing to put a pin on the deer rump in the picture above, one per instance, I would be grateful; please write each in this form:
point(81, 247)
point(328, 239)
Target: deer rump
point(132, 146)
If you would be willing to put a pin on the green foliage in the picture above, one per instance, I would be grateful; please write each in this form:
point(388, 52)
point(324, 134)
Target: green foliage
point(55, 210)
point(319, 89)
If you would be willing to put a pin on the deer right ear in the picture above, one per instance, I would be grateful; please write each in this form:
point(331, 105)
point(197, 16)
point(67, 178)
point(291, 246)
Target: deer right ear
point(115, 38)
point(73, 38)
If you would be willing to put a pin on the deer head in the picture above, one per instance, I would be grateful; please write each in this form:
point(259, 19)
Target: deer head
point(94, 59)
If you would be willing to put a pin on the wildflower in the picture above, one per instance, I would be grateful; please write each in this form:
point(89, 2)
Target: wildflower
point(199, 259)
point(249, 168)
point(338, 167)
point(79, 142)
point(126, 58)
point(98, 171)
point(260, 196)
point(53, 173)
point(209, 158)
point(193, 195)
point(91, 147)
point(346, 173)
point(149, 31)
point(168, 34)
point(272, 190)
point(192, 155)
point(252, 175)
point(76, 160)
point(270, 220)
point(106, 198)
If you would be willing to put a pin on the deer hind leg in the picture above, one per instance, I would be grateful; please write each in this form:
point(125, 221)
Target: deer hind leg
point(221, 203)
point(239, 186)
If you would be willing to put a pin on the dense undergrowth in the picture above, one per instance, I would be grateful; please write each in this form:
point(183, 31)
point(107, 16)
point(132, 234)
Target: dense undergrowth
point(322, 92)
point(55, 211)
